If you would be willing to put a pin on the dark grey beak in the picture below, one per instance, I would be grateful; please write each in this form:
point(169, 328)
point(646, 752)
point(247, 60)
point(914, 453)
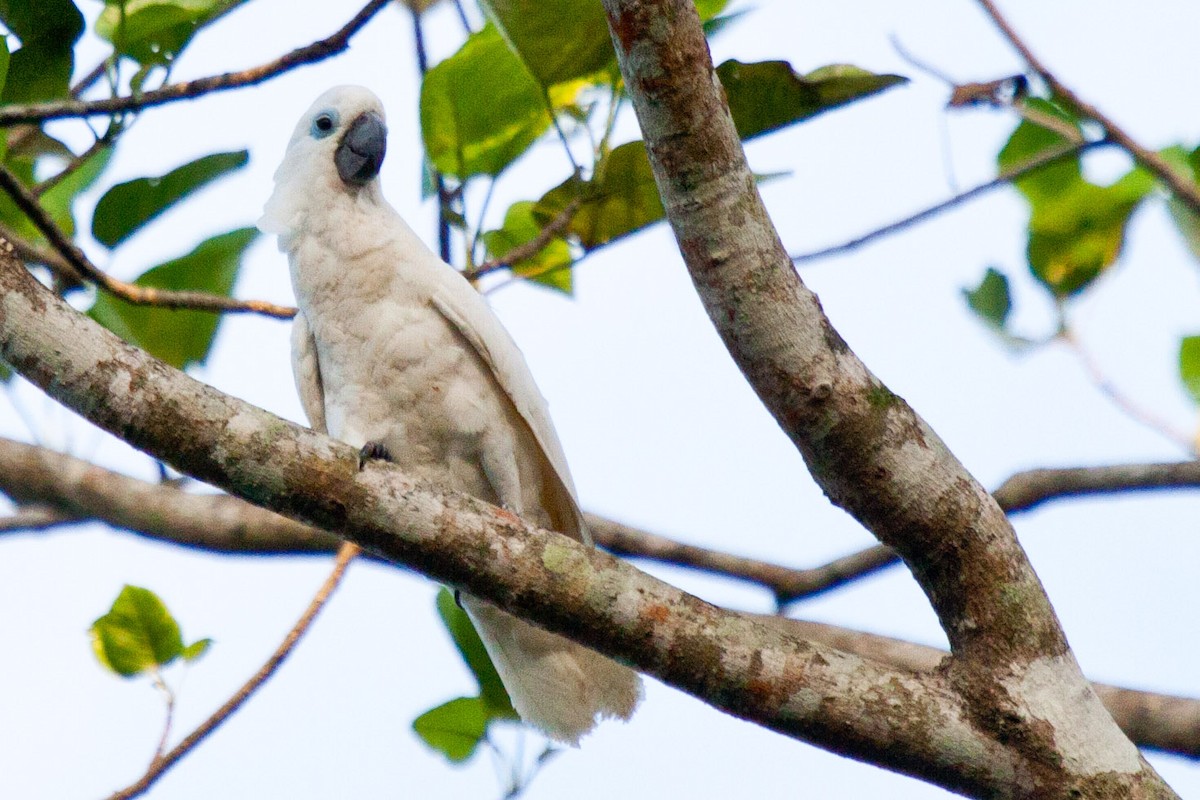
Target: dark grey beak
point(360, 153)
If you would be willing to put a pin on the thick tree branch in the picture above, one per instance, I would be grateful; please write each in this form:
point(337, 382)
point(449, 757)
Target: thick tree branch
point(802, 689)
point(1180, 185)
point(317, 51)
point(869, 451)
point(74, 489)
point(25, 200)
point(1155, 721)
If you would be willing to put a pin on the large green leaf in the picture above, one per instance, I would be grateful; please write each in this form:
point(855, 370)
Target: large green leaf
point(565, 40)
point(455, 728)
point(480, 108)
point(155, 31)
point(619, 200)
point(1076, 228)
point(1189, 366)
point(127, 207)
point(1077, 234)
point(48, 30)
point(549, 266)
point(137, 634)
point(179, 337)
point(769, 95)
point(470, 647)
point(558, 40)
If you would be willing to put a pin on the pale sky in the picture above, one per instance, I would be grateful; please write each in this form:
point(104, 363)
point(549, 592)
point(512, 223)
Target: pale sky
point(659, 427)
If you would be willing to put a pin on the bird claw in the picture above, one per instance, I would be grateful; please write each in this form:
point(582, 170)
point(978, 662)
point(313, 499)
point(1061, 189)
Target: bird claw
point(373, 450)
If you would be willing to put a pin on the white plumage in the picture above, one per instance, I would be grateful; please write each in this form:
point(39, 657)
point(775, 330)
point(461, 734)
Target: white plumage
point(392, 346)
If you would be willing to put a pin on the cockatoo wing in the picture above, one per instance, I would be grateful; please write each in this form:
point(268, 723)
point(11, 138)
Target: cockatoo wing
point(307, 373)
point(482, 330)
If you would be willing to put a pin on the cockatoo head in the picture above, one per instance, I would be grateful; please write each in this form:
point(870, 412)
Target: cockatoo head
point(335, 151)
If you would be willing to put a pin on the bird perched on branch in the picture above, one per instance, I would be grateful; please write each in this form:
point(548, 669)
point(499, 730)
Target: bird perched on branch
point(396, 353)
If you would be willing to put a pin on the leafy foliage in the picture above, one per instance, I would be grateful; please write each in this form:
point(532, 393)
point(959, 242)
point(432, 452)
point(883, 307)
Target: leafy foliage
point(480, 108)
point(621, 198)
point(550, 266)
point(770, 95)
point(127, 207)
point(179, 337)
point(154, 32)
point(1076, 228)
point(41, 68)
point(139, 635)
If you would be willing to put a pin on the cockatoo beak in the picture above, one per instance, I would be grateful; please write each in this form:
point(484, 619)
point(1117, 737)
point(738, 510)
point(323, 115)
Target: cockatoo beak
point(360, 153)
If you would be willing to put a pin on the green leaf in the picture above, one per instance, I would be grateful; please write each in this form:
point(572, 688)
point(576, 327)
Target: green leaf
point(1189, 366)
point(1079, 232)
point(179, 337)
point(48, 30)
point(455, 728)
point(154, 31)
point(769, 95)
point(1030, 141)
point(480, 108)
point(550, 266)
point(557, 40)
point(127, 207)
point(6, 372)
point(991, 300)
point(492, 692)
point(621, 199)
point(196, 650)
point(137, 634)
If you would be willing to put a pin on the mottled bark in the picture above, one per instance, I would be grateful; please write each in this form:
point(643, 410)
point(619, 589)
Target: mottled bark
point(67, 489)
point(868, 450)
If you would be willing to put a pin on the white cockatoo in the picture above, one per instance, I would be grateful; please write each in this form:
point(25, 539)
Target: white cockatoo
point(396, 353)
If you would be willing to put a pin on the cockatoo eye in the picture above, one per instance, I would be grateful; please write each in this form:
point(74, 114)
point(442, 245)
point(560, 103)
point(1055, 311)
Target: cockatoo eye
point(324, 124)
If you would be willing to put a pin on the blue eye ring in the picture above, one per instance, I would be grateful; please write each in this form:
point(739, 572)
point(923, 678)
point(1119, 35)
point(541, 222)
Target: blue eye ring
point(324, 124)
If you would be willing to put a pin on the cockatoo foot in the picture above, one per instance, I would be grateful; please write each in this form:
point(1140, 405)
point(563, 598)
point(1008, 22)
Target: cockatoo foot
point(372, 450)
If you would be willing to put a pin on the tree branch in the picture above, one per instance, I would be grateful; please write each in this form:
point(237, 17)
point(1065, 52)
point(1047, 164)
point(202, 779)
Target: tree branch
point(802, 689)
point(1002, 179)
point(1156, 721)
point(1180, 185)
point(1026, 490)
point(25, 200)
point(867, 449)
point(73, 489)
point(317, 51)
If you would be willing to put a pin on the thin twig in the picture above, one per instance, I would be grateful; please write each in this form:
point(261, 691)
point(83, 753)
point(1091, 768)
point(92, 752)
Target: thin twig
point(1180, 185)
point(1126, 404)
point(317, 51)
point(138, 295)
point(1002, 179)
point(35, 518)
point(345, 555)
point(110, 136)
point(531, 248)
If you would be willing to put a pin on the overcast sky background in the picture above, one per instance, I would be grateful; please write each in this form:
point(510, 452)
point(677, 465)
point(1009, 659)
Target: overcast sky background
point(660, 429)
